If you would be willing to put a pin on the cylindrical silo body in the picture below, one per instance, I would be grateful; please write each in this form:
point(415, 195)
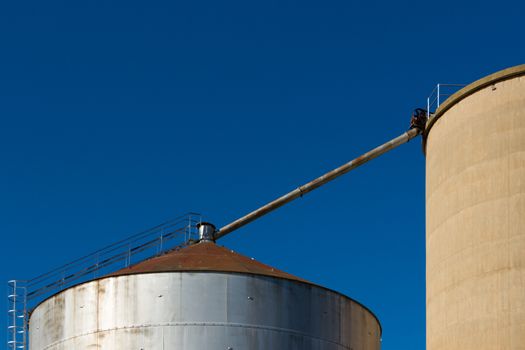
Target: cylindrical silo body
point(197, 307)
point(475, 236)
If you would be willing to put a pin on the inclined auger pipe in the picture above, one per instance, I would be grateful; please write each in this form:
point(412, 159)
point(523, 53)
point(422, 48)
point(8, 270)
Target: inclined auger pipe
point(312, 185)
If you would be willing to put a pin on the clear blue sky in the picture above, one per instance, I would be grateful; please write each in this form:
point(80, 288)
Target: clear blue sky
point(116, 116)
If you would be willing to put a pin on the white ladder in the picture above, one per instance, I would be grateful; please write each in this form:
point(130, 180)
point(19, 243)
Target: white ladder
point(16, 315)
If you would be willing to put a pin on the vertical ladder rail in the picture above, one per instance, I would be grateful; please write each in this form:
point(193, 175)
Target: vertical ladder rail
point(17, 315)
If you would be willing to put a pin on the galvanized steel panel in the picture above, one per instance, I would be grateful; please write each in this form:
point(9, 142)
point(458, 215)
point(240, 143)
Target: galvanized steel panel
point(201, 310)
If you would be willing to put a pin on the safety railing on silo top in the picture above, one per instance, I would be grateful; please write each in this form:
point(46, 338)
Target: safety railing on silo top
point(23, 295)
point(440, 93)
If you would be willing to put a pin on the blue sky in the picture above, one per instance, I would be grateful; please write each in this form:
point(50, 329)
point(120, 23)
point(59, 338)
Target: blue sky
point(116, 116)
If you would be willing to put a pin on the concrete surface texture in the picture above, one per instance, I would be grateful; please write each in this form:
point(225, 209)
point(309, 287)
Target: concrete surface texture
point(196, 310)
point(475, 228)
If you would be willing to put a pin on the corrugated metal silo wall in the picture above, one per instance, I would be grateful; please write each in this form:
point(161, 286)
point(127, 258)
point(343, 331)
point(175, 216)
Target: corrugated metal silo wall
point(196, 311)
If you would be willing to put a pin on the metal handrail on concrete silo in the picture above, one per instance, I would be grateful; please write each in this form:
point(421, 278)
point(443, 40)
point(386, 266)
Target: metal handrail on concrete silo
point(439, 94)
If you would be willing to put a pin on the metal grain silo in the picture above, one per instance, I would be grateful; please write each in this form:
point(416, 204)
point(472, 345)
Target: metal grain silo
point(475, 198)
point(202, 297)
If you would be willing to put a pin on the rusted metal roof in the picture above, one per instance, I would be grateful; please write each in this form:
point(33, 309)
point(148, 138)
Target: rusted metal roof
point(204, 256)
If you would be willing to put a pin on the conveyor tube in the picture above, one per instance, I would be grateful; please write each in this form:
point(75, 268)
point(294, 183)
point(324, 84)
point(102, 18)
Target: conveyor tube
point(312, 185)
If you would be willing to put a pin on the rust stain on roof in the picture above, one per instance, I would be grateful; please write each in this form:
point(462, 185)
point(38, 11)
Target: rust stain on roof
point(204, 256)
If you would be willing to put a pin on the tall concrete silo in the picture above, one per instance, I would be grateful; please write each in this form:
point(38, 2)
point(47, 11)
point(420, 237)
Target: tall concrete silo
point(475, 151)
point(202, 297)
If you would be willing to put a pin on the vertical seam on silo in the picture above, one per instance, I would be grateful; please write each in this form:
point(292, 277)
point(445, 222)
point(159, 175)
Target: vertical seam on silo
point(98, 311)
point(226, 294)
point(181, 308)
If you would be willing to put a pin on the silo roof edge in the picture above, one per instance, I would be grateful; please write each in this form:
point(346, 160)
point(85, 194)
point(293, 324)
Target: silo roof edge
point(468, 90)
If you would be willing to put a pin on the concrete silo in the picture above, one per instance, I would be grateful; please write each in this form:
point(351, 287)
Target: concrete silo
point(475, 149)
point(202, 297)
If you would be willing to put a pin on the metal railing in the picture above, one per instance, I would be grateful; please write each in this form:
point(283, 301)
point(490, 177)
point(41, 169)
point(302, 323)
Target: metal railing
point(440, 93)
point(23, 295)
